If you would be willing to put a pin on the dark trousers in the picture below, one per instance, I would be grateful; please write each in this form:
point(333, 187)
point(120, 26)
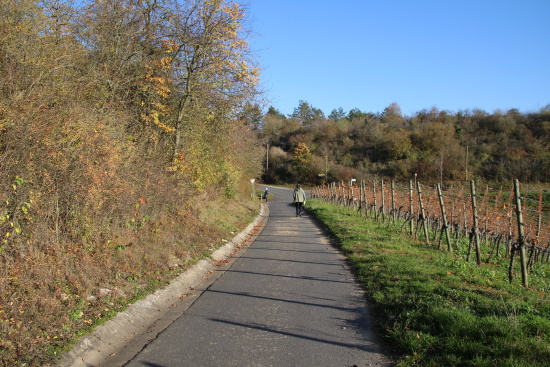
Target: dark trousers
point(299, 207)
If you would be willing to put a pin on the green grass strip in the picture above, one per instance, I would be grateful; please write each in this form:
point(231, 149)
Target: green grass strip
point(434, 307)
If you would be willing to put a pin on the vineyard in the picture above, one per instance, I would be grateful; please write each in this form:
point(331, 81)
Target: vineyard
point(488, 225)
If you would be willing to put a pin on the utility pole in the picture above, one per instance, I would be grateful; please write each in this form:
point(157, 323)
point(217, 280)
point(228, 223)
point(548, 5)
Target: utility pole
point(266, 160)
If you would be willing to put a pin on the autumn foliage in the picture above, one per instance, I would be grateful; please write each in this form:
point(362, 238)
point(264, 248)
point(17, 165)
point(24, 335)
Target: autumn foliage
point(119, 128)
point(437, 145)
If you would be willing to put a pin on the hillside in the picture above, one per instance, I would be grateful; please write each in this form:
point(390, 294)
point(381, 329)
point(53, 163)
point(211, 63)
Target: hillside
point(437, 146)
point(123, 158)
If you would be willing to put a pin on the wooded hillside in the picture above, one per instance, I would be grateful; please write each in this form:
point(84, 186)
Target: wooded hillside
point(438, 146)
point(119, 129)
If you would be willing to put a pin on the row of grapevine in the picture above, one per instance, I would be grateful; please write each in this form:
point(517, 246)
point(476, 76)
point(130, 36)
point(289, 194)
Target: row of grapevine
point(506, 223)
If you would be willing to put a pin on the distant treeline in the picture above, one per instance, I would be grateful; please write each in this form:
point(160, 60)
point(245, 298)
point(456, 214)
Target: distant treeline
point(439, 146)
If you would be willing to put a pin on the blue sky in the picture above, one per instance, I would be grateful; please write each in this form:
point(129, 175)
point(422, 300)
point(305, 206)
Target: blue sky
point(367, 54)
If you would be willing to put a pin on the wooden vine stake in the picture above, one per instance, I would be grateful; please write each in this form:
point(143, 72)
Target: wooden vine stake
point(362, 195)
point(444, 219)
point(393, 214)
point(539, 219)
point(521, 239)
point(423, 214)
point(375, 203)
point(411, 206)
point(364, 202)
point(383, 208)
point(475, 231)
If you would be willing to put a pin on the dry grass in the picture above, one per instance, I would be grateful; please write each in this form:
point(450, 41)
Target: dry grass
point(55, 293)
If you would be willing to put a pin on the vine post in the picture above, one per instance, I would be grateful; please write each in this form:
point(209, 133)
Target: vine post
point(393, 215)
point(475, 233)
point(423, 214)
point(383, 208)
point(362, 195)
point(521, 239)
point(374, 200)
point(445, 227)
point(411, 206)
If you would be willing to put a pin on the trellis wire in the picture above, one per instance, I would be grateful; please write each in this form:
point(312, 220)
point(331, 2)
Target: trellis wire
point(489, 222)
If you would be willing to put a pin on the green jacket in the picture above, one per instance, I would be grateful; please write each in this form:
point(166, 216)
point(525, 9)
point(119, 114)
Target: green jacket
point(299, 195)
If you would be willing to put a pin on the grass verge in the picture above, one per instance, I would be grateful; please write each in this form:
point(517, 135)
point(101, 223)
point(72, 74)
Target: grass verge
point(434, 307)
point(49, 299)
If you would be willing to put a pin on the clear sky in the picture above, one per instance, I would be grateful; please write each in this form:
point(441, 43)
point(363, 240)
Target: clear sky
point(367, 54)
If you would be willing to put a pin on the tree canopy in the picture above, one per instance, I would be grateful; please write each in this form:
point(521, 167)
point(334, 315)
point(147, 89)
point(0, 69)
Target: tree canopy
point(117, 117)
point(433, 144)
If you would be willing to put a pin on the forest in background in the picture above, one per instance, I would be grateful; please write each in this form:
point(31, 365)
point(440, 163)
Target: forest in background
point(123, 155)
point(437, 146)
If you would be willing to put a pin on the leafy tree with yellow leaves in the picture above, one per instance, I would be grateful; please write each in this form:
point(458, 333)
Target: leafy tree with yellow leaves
point(214, 77)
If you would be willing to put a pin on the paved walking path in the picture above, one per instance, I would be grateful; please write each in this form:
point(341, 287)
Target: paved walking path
point(290, 300)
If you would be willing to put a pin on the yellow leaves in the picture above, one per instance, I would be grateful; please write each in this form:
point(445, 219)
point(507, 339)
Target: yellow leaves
point(157, 85)
point(166, 62)
point(157, 89)
point(160, 65)
point(179, 164)
point(301, 151)
point(154, 117)
point(165, 128)
point(234, 11)
point(169, 46)
point(205, 161)
point(161, 108)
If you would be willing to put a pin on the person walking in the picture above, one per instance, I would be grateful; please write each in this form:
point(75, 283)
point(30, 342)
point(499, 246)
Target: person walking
point(299, 198)
point(266, 194)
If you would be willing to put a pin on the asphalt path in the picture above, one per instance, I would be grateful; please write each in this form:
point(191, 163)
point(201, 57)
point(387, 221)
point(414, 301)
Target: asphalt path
point(289, 300)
